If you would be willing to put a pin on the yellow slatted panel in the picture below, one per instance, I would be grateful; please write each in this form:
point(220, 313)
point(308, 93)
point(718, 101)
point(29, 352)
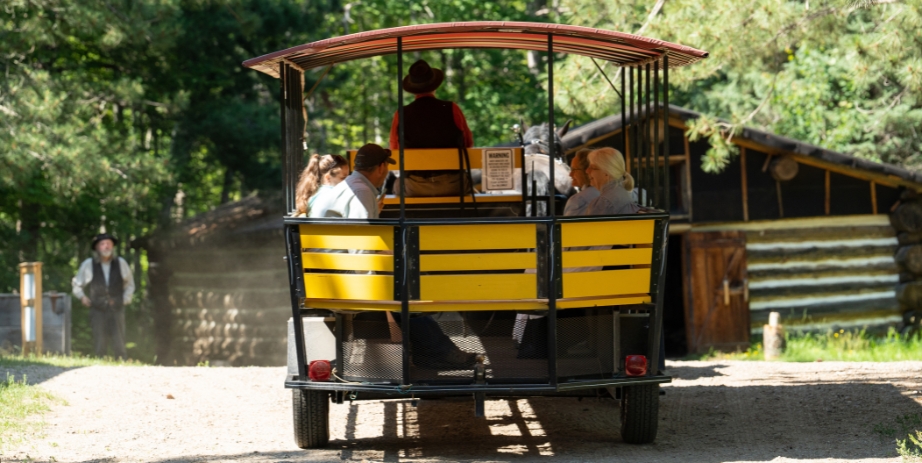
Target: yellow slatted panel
point(602, 233)
point(478, 287)
point(481, 198)
point(473, 237)
point(343, 261)
point(349, 286)
point(485, 261)
point(603, 302)
point(606, 283)
point(440, 158)
point(363, 237)
point(607, 257)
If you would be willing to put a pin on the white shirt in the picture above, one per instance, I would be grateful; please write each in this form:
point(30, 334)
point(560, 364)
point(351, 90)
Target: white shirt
point(612, 200)
point(353, 198)
point(85, 276)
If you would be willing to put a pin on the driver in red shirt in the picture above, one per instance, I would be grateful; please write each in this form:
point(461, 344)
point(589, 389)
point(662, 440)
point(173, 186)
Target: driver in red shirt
point(430, 123)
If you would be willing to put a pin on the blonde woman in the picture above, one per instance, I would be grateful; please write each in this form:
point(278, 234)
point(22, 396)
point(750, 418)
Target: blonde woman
point(322, 173)
point(577, 203)
point(607, 174)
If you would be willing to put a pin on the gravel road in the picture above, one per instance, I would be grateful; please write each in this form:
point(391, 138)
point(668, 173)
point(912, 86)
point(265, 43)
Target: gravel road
point(713, 411)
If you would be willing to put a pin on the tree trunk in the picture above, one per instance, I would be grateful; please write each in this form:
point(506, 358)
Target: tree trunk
point(228, 183)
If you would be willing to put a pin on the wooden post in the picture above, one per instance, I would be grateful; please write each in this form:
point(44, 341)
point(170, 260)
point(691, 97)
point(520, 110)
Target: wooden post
point(745, 184)
point(688, 182)
point(827, 193)
point(30, 302)
point(874, 198)
point(773, 337)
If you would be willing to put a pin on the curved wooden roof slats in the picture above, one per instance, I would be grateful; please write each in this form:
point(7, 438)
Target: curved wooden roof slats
point(618, 47)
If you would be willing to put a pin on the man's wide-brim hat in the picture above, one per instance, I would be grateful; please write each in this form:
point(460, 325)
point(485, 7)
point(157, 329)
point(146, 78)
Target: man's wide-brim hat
point(103, 236)
point(422, 78)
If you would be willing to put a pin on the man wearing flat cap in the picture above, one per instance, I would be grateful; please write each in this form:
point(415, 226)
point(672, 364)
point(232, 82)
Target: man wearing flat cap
point(430, 123)
point(110, 288)
point(357, 196)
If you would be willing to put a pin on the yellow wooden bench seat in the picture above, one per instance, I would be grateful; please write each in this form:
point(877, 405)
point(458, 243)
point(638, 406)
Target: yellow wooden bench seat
point(350, 267)
point(445, 159)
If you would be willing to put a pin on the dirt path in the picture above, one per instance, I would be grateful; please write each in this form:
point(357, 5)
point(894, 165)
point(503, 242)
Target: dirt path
point(713, 411)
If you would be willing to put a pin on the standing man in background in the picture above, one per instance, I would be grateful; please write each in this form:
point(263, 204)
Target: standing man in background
point(110, 289)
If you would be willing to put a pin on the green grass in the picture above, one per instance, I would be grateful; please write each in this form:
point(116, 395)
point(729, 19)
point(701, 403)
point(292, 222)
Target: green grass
point(910, 428)
point(63, 361)
point(847, 346)
point(18, 401)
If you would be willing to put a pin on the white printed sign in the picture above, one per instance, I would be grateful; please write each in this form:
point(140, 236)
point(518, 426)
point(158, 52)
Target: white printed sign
point(498, 169)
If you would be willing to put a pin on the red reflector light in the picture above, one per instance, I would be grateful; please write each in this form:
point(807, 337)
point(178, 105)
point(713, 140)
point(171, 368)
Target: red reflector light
point(319, 370)
point(635, 365)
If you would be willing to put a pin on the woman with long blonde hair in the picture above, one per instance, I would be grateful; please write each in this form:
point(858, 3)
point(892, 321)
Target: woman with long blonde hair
point(322, 172)
point(607, 174)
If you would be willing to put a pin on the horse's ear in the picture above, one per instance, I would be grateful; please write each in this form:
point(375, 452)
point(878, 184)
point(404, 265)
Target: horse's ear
point(523, 125)
point(566, 128)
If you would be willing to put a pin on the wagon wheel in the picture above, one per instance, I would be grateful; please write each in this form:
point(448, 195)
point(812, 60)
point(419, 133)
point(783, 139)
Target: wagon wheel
point(311, 418)
point(639, 413)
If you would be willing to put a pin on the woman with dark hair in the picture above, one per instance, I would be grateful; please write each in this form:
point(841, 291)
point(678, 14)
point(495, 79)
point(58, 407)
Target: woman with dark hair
point(322, 173)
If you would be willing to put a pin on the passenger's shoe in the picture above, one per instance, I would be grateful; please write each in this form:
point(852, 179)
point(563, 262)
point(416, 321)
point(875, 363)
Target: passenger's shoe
point(454, 359)
point(460, 358)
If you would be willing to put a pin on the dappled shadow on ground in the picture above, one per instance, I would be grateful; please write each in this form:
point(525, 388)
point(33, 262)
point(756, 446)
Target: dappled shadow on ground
point(697, 423)
point(687, 372)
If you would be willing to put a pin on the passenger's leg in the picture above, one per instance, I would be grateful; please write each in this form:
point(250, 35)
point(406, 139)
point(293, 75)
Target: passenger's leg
point(431, 347)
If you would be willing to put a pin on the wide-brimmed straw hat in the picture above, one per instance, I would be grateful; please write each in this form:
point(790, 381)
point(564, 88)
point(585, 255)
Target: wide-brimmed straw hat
point(422, 78)
point(103, 236)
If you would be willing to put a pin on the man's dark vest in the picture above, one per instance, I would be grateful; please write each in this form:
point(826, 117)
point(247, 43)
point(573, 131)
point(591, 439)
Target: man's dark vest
point(430, 123)
point(111, 297)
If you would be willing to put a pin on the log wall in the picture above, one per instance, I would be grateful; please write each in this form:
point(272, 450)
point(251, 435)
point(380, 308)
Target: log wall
point(822, 273)
point(219, 286)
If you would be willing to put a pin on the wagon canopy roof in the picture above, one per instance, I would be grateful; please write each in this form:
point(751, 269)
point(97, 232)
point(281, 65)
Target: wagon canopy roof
point(618, 47)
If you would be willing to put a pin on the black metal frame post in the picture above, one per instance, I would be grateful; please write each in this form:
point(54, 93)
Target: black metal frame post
point(657, 287)
point(291, 116)
point(552, 229)
point(666, 130)
point(638, 137)
point(401, 246)
point(624, 124)
point(647, 143)
point(630, 127)
point(654, 135)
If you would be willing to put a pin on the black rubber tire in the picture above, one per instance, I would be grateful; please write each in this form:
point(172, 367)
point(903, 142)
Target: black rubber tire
point(639, 413)
point(311, 418)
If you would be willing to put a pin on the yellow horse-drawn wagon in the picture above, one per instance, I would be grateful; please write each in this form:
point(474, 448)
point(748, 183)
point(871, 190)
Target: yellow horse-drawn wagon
point(539, 304)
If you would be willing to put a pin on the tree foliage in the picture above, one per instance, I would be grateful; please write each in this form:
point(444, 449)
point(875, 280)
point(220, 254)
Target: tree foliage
point(845, 75)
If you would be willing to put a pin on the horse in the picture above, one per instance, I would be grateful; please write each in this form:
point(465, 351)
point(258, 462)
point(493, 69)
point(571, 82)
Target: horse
point(536, 142)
